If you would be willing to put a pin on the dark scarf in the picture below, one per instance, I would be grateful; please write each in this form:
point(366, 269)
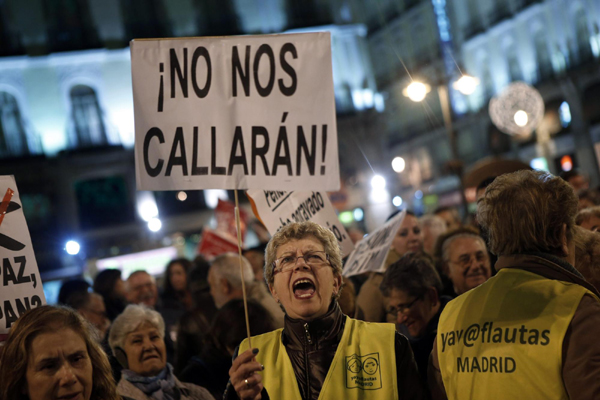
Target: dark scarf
point(561, 262)
point(159, 387)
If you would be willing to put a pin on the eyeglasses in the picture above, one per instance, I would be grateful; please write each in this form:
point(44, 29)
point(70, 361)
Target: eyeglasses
point(402, 308)
point(311, 258)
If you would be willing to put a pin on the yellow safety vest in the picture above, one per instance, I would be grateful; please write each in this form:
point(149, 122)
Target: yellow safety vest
point(364, 365)
point(503, 340)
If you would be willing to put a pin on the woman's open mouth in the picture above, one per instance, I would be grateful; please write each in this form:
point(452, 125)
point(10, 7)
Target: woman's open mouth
point(304, 288)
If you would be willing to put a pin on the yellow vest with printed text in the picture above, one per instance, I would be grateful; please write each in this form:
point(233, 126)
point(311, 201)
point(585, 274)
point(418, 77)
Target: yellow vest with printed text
point(503, 339)
point(364, 365)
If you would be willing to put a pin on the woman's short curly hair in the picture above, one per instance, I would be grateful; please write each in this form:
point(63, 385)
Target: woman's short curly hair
point(586, 214)
point(14, 356)
point(129, 320)
point(525, 211)
point(297, 231)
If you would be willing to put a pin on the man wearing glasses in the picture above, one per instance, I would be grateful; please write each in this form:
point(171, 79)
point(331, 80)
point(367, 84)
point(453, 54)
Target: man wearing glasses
point(466, 260)
point(411, 288)
point(531, 331)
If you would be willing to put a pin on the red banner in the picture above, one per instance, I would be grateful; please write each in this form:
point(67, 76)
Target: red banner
point(213, 244)
point(225, 216)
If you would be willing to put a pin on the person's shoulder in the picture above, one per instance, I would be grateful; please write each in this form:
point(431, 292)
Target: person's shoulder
point(127, 390)
point(194, 392)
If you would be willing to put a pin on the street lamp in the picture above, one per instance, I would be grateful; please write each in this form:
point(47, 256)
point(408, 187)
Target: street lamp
point(466, 84)
point(416, 91)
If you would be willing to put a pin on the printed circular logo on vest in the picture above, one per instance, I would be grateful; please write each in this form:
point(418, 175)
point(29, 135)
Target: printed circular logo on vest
point(363, 372)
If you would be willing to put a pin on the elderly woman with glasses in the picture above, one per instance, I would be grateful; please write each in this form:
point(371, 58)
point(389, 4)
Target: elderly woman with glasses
point(137, 341)
point(320, 353)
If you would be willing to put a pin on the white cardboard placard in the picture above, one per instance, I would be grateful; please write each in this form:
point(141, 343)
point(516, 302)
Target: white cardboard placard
point(20, 281)
point(371, 251)
point(240, 112)
point(277, 209)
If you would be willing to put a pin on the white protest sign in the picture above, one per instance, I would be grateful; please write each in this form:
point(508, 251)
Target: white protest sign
point(240, 112)
point(277, 209)
point(370, 253)
point(21, 285)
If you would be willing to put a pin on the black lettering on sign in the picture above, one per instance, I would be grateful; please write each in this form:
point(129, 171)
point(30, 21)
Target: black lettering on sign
point(197, 170)
point(214, 169)
point(234, 159)
point(201, 52)
point(260, 151)
point(8, 272)
point(178, 143)
point(264, 49)
point(153, 171)
point(302, 146)
point(161, 87)
point(291, 89)
point(282, 144)
point(7, 309)
point(238, 70)
point(264, 53)
point(176, 70)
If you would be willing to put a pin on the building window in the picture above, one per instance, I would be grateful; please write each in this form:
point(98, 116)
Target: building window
point(544, 62)
point(145, 19)
point(582, 33)
point(88, 127)
point(13, 137)
point(514, 69)
point(69, 25)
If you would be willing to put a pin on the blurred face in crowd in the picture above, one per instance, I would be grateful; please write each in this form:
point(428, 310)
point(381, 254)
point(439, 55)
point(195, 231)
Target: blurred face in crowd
point(95, 313)
point(257, 260)
point(409, 237)
point(142, 289)
point(59, 367)
point(579, 182)
point(591, 224)
point(145, 350)
point(178, 277)
point(468, 263)
point(304, 289)
point(450, 217)
point(219, 288)
point(413, 312)
point(120, 289)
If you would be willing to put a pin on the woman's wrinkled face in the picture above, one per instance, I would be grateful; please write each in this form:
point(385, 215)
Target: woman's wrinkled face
point(178, 277)
point(409, 237)
point(145, 349)
point(59, 367)
point(305, 292)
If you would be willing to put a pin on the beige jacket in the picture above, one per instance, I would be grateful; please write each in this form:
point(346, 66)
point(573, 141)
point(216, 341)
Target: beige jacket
point(370, 306)
point(188, 391)
point(259, 293)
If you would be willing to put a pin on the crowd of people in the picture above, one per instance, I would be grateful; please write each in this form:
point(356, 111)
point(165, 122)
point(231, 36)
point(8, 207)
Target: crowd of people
point(506, 306)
